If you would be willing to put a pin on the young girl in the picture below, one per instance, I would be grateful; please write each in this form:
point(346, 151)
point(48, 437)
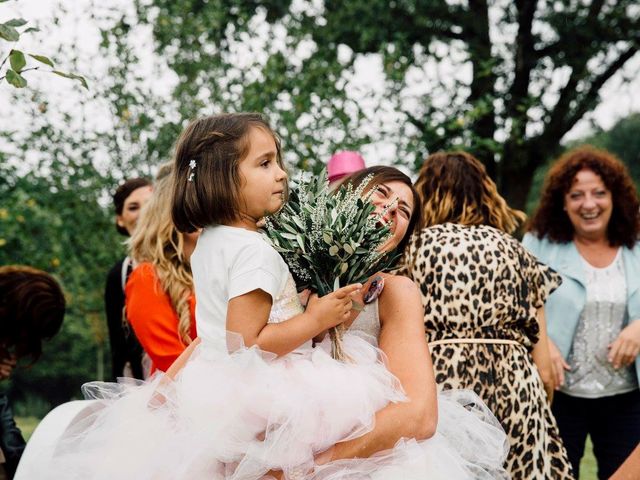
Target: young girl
point(253, 397)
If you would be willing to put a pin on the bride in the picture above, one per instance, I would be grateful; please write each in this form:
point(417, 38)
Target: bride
point(151, 431)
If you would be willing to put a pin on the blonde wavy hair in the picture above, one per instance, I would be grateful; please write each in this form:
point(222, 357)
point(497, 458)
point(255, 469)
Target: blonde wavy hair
point(454, 187)
point(157, 241)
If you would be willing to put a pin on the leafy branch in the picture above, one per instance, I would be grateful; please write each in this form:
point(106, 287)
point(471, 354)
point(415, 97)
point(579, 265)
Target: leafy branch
point(13, 74)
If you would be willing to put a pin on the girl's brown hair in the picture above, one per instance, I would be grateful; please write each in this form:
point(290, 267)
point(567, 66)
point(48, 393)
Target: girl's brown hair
point(455, 187)
point(157, 241)
point(550, 220)
point(207, 179)
point(383, 174)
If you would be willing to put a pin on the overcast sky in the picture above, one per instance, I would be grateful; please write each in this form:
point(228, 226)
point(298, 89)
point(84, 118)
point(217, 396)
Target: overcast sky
point(76, 30)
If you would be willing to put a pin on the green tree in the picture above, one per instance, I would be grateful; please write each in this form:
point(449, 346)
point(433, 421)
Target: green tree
point(51, 218)
point(535, 69)
point(622, 140)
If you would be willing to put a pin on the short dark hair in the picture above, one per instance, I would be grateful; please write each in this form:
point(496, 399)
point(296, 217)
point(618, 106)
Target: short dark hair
point(550, 220)
point(208, 193)
point(32, 308)
point(121, 195)
point(383, 174)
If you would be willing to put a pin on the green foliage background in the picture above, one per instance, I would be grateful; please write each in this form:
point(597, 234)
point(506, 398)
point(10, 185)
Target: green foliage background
point(51, 218)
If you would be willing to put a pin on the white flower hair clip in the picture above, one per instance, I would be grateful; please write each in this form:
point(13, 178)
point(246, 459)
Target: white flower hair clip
point(192, 167)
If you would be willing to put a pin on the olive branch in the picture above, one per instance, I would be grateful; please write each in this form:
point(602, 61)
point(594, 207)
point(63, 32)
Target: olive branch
point(330, 239)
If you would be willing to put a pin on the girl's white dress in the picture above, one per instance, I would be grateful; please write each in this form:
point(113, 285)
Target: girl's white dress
point(238, 415)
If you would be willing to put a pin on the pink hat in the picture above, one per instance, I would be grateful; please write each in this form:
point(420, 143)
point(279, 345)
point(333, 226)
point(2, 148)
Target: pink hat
point(344, 163)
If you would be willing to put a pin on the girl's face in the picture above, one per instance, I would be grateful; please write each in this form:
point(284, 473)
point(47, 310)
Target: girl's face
point(131, 209)
point(399, 197)
point(263, 180)
point(589, 204)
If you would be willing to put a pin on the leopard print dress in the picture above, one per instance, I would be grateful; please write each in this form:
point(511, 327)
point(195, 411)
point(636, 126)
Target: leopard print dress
point(478, 282)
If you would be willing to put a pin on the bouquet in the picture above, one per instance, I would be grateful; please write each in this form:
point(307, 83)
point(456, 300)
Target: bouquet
point(330, 239)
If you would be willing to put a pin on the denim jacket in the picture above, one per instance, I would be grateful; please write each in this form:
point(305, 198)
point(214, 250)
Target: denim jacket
point(564, 306)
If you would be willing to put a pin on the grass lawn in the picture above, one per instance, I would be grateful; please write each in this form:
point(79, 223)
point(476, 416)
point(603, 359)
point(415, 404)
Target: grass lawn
point(27, 425)
point(587, 466)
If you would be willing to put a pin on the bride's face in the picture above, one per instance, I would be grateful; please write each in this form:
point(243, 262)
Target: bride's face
point(400, 198)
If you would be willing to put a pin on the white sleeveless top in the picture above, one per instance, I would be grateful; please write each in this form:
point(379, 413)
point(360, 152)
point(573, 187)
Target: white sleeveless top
point(368, 321)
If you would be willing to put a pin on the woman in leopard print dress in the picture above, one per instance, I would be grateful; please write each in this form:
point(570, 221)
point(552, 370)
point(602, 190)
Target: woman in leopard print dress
point(483, 295)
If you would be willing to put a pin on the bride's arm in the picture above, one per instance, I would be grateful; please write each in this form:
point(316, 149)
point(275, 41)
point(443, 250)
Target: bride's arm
point(402, 339)
point(181, 361)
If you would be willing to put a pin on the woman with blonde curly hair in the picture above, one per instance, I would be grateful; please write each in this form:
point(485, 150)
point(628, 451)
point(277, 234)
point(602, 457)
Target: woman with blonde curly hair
point(160, 302)
point(483, 295)
point(586, 227)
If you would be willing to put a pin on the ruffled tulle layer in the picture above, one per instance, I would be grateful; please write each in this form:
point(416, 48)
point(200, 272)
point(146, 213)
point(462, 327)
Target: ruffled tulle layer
point(239, 416)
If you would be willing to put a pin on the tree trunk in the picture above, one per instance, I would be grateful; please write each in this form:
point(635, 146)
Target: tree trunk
point(483, 82)
point(517, 168)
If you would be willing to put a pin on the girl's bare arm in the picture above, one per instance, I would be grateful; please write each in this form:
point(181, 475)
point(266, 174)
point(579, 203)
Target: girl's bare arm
point(248, 314)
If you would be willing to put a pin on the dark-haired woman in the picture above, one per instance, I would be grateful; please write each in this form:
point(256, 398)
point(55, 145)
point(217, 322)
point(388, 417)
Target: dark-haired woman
point(32, 308)
point(483, 295)
point(126, 353)
point(586, 228)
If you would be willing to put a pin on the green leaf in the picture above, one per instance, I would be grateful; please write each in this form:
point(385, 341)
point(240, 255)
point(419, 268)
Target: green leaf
point(42, 59)
point(8, 33)
point(72, 76)
point(16, 22)
point(299, 222)
point(31, 29)
point(16, 79)
point(17, 61)
point(289, 228)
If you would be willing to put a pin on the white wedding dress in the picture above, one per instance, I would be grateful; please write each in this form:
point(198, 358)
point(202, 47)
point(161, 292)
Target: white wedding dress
point(236, 416)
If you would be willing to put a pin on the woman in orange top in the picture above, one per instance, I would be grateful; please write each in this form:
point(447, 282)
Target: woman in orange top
point(159, 299)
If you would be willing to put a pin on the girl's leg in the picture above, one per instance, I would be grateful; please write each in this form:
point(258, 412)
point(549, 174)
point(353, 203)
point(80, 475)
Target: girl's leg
point(573, 417)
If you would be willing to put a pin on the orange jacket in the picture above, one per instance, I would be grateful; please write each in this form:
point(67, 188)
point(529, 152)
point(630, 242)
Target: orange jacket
point(153, 318)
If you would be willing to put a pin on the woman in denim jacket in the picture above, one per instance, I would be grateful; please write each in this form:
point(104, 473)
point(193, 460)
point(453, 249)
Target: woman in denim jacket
point(586, 228)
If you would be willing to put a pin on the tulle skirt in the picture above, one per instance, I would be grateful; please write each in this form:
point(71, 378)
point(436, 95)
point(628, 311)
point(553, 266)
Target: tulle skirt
point(237, 416)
